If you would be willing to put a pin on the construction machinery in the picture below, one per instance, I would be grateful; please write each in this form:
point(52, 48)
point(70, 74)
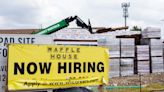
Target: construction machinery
point(65, 23)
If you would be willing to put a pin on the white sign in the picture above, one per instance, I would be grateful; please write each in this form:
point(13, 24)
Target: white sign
point(16, 38)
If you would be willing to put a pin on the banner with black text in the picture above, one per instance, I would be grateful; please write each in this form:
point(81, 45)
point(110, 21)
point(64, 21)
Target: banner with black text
point(6, 39)
point(56, 66)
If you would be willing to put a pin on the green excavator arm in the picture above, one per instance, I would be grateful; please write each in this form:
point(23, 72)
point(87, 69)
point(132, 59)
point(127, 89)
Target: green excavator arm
point(62, 24)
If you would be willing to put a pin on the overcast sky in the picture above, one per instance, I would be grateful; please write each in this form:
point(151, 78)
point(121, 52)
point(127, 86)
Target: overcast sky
point(102, 13)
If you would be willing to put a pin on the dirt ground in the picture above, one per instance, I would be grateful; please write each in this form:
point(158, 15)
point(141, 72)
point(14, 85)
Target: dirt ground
point(136, 80)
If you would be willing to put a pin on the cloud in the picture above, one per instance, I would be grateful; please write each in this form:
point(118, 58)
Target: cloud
point(148, 11)
point(17, 13)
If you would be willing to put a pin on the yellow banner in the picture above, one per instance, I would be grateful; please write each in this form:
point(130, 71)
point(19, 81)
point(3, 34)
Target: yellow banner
point(56, 66)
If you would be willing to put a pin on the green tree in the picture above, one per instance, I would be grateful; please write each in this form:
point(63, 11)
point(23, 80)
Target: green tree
point(135, 28)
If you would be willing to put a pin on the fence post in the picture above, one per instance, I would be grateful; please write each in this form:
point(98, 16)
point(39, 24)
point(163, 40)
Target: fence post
point(100, 88)
point(120, 58)
point(140, 82)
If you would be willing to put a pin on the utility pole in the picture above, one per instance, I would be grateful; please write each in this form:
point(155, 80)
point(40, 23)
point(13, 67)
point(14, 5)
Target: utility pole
point(125, 7)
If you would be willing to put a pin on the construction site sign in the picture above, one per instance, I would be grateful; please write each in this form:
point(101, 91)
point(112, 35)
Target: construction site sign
point(56, 66)
point(6, 39)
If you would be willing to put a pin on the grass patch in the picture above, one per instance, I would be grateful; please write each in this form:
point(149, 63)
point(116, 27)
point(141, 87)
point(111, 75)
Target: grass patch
point(153, 87)
point(148, 88)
